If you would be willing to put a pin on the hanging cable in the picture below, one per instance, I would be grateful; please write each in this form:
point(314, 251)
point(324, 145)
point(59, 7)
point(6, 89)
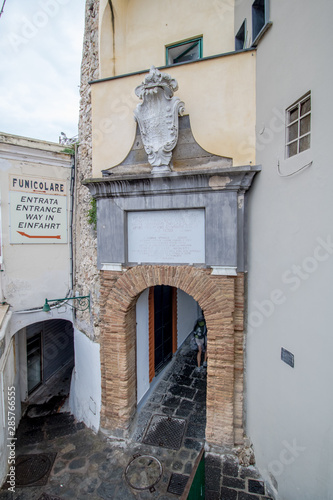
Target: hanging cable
point(292, 173)
point(2, 8)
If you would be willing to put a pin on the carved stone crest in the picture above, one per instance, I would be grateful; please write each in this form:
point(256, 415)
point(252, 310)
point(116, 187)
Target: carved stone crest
point(157, 117)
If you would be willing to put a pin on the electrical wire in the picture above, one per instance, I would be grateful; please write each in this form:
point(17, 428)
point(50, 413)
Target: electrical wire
point(2, 8)
point(292, 173)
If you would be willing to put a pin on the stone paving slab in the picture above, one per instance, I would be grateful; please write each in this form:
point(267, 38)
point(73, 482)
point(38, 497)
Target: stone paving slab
point(93, 466)
point(227, 480)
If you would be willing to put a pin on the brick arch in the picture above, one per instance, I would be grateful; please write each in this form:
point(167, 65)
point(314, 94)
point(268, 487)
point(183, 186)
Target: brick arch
point(215, 295)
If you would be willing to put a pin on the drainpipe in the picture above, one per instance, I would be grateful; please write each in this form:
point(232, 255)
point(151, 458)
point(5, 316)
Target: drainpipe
point(71, 216)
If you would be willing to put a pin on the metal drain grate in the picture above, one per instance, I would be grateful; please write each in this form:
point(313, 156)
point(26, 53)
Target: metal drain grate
point(165, 431)
point(177, 484)
point(34, 470)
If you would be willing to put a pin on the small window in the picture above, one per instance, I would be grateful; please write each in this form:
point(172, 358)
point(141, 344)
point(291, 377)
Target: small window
point(298, 129)
point(259, 16)
point(240, 37)
point(184, 51)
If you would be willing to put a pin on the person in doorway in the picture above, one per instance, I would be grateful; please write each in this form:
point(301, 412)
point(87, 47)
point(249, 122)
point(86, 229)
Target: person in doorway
point(200, 336)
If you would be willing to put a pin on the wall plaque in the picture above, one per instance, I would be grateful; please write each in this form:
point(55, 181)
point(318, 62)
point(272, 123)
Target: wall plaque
point(166, 236)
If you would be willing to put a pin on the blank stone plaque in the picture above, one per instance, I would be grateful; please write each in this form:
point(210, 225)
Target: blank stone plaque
point(166, 236)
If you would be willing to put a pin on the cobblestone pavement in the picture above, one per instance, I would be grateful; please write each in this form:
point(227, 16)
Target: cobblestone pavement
point(90, 466)
point(227, 480)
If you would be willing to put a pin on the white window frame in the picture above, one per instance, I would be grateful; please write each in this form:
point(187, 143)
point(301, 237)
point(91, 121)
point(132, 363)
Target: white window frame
point(296, 140)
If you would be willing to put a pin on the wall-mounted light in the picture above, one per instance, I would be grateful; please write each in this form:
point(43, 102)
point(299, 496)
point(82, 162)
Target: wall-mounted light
point(81, 304)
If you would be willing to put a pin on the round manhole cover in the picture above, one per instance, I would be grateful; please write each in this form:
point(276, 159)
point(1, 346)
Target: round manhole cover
point(143, 472)
point(31, 469)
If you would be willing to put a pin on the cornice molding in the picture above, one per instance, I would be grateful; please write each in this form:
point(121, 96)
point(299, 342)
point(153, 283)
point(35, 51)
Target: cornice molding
point(34, 155)
point(237, 179)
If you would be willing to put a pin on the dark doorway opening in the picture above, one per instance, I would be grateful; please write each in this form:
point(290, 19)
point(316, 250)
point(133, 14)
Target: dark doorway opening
point(163, 321)
point(50, 355)
point(34, 361)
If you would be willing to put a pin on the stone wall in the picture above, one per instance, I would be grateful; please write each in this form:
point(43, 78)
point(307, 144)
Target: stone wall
point(222, 300)
point(86, 278)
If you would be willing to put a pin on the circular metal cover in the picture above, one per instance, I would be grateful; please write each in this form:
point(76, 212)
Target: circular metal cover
point(32, 468)
point(143, 472)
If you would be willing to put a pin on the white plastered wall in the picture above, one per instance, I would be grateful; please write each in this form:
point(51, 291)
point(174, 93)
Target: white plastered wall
point(290, 410)
point(85, 393)
point(188, 311)
point(142, 345)
point(32, 272)
point(9, 389)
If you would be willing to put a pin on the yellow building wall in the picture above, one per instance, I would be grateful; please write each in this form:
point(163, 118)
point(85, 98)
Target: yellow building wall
point(133, 36)
point(219, 96)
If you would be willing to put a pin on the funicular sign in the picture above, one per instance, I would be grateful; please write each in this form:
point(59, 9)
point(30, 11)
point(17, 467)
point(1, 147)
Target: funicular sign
point(38, 210)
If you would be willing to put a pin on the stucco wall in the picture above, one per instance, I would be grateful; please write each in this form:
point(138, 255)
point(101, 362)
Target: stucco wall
point(142, 345)
point(10, 401)
point(85, 394)
point(134, 35)
point(32, 272)
point(187, 312)
point(228, 116)
point(289, 410)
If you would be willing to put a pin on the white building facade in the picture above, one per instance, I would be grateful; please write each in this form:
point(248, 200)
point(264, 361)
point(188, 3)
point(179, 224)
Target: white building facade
point(36, 180)
point(289, 407)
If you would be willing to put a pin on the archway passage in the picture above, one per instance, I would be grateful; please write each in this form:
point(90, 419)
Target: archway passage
point(222, 300)
point(165, 316)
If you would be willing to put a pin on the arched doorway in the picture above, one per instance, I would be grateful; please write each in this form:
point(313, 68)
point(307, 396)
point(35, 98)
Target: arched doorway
point(222, 300)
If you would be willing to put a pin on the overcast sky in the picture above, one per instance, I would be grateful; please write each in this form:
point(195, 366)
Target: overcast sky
point(40, 49)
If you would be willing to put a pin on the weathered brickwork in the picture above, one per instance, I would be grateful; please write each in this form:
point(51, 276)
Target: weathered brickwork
point(239, 357)
point(221, 298)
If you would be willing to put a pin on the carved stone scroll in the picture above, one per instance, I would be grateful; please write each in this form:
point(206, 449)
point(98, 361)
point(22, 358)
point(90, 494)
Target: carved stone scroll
point(157, 117)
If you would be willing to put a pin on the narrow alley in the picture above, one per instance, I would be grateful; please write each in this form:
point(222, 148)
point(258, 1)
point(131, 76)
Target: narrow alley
point(58, 458)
